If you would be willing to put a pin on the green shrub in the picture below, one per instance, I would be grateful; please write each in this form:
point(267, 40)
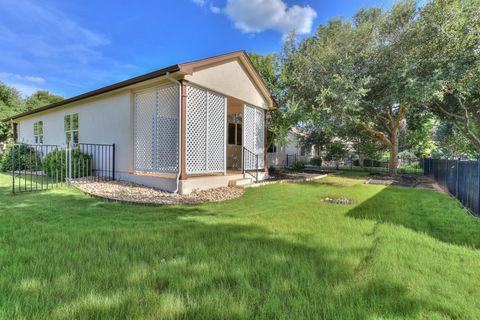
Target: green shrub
point(25, 158)
point(316, 161)
point(297, 165)
point(272, 169)
point(56, 165)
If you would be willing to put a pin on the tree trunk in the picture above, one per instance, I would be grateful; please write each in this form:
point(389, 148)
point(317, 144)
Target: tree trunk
point(393, 162)
point(361, 159)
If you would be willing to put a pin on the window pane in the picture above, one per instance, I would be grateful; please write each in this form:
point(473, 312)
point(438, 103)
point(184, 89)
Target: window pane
point(66, 123)
point(40, 127)
point(75, 137)
point(239, 134)
point(36, 139)
point(41, 139)
point(75, 121)
point(68, 138)
point(35, 128)
point(231, 133)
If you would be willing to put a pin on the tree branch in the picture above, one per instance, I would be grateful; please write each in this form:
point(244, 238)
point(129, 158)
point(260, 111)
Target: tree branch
point(377, 134)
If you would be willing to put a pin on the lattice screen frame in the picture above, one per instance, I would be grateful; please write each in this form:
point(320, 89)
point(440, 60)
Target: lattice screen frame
point(254, 135)
point(206, 131)
point(156, 129)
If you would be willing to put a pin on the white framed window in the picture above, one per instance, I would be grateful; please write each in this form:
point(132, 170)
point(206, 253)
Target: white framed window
point(70, 123)
point(38, 132)
point(272, 148)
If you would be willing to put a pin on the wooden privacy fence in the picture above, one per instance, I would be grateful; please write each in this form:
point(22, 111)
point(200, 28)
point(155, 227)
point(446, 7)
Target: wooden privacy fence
point(460, 178)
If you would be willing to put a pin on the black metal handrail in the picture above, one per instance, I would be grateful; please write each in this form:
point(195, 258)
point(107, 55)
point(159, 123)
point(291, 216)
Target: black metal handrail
point(250, 157)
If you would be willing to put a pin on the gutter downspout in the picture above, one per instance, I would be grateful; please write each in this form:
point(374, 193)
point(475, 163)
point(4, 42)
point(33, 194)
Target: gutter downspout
point(168, 75)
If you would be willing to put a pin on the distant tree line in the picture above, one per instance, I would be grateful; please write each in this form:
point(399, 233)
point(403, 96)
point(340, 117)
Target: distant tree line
point(11, 103)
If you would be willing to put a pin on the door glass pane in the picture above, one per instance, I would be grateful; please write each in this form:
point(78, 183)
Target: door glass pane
point(239, 134)
point(68, 137)
point(231, 133)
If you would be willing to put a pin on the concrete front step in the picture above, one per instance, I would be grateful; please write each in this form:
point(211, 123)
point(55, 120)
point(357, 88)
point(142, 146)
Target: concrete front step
point(240, 182)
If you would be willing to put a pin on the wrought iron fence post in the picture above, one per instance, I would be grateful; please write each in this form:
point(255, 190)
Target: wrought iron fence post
point(69, 163)
point(13, 168)
point(456, 177)
point(113, 162)
point(478, 184)
point(446, 173)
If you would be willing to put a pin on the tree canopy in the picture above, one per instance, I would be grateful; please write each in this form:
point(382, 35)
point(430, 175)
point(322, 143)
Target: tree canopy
point(11, 103)
point(387, 77)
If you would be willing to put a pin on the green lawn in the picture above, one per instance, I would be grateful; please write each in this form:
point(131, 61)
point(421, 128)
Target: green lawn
point(278, 252)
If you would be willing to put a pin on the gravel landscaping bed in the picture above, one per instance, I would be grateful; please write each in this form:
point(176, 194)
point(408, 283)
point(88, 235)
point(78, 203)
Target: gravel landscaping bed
point(403, 180)
point(134, 193)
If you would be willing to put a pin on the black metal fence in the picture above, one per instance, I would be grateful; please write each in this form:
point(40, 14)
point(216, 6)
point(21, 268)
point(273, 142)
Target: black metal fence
point(408, 166)
point(291, 158)
point(460, 178)
point(37, 167)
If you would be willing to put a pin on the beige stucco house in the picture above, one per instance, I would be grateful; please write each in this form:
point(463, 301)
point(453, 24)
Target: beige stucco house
point(190, 126)
point(277, 155)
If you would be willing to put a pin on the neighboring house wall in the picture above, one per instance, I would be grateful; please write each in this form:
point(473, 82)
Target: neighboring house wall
point(279, 157)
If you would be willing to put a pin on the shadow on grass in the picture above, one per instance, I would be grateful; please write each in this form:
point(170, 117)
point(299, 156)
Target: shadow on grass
point(69, 256)
point(425, 211)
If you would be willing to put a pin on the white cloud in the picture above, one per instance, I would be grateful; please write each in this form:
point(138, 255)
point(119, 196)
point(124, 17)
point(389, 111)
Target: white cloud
point(200, 3)
point(52, 34)
point(24, 89)
point(8, 75)
point(36, 38)
point(34, 79)
point(215, 9)
point(259, 15)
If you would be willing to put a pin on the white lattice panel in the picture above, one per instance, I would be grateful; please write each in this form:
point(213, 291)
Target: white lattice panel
point(216, 132)
point(249, 135)
point(254, 136)
point(144, 122)
point(206, 129)
point(260, 135)
point(156, 132)
point(166, 154)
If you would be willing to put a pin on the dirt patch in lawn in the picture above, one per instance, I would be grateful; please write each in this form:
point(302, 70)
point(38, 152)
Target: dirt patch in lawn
point(403, 180)
point(134, 193)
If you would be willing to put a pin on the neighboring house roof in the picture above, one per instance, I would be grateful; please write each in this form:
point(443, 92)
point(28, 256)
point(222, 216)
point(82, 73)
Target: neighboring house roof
point(186, 68)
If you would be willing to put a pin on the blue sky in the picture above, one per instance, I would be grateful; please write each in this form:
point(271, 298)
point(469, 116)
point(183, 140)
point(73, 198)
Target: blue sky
point(70, 47)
